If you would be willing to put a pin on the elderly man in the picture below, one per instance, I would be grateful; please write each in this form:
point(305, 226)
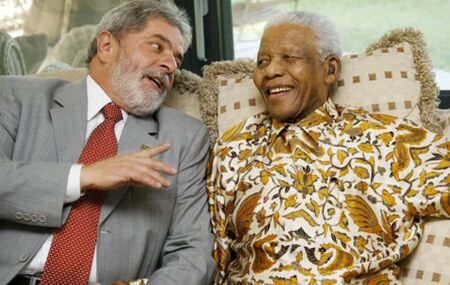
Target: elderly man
point(312, 193)
point(100, 183)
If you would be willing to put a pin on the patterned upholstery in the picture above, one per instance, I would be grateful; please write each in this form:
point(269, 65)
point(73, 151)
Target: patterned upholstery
point(430, 262)
point(372, 81)
point(11, 58)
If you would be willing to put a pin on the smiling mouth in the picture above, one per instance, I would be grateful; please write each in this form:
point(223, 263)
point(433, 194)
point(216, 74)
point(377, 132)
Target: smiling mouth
point(278, 90)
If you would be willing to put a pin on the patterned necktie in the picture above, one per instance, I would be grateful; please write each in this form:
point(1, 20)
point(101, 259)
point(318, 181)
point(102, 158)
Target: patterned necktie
point(70, 258)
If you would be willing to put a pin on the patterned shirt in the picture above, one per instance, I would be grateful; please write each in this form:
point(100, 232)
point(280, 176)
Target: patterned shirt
point(336, 198)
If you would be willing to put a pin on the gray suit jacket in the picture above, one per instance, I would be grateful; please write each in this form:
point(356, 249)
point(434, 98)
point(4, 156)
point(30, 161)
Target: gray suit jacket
point(160, 234)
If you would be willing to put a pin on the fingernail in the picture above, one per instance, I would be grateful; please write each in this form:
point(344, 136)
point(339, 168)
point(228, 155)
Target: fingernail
point(158, 185)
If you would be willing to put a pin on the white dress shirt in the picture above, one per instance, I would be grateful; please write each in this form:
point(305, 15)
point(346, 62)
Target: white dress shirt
point(96, 99)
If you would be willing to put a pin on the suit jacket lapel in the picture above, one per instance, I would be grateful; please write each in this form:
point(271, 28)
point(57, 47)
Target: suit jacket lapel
point(69, 115)
point(137, 132)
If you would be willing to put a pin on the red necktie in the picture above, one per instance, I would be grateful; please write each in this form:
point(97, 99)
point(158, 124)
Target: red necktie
point(70, 258)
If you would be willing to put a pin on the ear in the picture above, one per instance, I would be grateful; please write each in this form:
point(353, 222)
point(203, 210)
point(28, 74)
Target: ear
point(106, 46)
point(332, 66)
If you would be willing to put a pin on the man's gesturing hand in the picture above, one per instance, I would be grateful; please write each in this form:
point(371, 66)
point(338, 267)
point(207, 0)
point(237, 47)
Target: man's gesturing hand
point(136, 168)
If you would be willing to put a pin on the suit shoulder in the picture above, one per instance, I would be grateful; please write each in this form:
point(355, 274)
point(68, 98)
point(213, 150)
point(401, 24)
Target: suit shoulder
point(26, 86)
point(180, 128)
point(177, 118)
point(30, 80)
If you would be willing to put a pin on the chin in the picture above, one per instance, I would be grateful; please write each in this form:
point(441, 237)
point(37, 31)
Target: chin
point(279, 117)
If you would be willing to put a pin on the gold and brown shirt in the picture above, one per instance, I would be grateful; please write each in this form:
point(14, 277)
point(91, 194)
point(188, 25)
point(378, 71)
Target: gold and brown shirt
point(336, 198)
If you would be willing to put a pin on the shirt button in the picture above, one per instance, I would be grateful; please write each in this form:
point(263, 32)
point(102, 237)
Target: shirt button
point(42, 218)
point(19, 215)
point(24, 257)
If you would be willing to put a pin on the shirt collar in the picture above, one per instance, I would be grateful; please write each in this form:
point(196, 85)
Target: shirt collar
point(97, 99)
point(327, 112)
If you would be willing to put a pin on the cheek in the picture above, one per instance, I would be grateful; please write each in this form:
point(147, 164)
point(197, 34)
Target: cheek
point(257, 79)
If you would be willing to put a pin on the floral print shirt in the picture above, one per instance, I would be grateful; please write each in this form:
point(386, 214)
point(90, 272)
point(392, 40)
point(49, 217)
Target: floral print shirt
point(336, 198)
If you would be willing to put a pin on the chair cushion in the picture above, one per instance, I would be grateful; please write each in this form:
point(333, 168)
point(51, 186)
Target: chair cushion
point(429, 263)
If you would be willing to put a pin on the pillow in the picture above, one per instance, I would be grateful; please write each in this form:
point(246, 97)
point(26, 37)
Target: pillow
point(394, 76)
point(71, 48)
point(428, 264)
point(228, 95)
point(444, 117)
point(183, 96)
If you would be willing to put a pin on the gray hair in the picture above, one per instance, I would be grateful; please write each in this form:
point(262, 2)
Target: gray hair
point(133, 16)
point(324, 30)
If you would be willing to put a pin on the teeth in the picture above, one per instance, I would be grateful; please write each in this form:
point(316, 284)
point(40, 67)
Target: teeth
point(279, 89)
point(157, 81)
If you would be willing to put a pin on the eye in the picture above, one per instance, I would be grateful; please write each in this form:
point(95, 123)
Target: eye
point(291, 58)
point(262, 62)
point(288, 57)
point(156, 46)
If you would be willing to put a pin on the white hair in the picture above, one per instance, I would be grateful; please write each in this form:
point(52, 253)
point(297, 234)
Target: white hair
point(133, 16)
point(327, 37)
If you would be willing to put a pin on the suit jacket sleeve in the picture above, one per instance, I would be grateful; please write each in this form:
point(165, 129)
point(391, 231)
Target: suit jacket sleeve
point(187, 253)
point(30, 191)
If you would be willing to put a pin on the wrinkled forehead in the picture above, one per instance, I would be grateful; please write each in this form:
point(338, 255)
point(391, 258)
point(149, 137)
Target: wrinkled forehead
point(287, 36)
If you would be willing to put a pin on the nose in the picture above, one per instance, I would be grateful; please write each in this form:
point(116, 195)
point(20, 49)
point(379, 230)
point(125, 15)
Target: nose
point(168, 62)
point(273, 69)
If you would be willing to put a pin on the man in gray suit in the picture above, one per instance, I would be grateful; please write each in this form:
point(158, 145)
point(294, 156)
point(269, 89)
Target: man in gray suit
point(153, 222)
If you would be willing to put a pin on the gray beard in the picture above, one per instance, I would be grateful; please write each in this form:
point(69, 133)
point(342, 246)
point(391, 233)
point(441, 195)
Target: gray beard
point(126, 83)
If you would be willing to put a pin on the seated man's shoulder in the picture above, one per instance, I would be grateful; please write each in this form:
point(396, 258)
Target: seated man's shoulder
point(366, 121)
point(358, 116)
point(174, 123)
point(168, 115)
point(30, 83)
point(30, 91)
point(15, 79)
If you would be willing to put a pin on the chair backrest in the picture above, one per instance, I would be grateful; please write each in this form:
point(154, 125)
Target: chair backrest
point(11, 57)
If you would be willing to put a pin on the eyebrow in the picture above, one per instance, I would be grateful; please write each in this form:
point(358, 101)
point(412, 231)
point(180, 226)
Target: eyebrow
point(164, 39)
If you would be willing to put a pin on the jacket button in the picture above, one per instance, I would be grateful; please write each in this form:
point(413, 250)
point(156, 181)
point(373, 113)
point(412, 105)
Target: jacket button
point(34, 218)
point(19, 215)
point(24, 257)
point(42, 218)
point(26, 217)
